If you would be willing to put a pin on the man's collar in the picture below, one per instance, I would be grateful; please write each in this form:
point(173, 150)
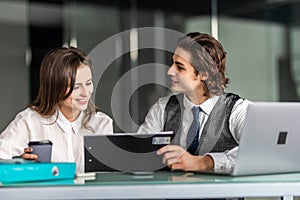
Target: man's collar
point(206, 106)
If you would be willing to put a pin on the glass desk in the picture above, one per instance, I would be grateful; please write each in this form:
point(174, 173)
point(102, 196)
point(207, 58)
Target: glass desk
point(160, 185)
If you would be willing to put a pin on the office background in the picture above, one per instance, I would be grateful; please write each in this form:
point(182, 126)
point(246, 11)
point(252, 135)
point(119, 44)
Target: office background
point(261, 37)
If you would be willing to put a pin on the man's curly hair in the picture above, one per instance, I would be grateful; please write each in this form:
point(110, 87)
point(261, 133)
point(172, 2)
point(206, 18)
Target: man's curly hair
point(207, 57)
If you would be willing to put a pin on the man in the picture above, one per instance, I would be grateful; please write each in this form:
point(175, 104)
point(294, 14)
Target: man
point(207, 122)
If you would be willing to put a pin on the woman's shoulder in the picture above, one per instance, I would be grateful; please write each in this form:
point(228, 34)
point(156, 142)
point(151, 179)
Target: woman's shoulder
point(101, 123)
point(102, 115)
point(26, 116)
point(26, 113)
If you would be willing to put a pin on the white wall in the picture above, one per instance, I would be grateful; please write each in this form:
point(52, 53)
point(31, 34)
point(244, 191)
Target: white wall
point(253, 49)
point(14, 75)
point(295, 45)
point(90, 25)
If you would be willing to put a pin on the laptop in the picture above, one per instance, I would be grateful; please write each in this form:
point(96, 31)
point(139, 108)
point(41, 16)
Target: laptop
point(127, 152)
point(269, 142)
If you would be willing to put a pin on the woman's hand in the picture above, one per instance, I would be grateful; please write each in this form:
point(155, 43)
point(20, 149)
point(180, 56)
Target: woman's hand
point(28, 155)
point(178, 158)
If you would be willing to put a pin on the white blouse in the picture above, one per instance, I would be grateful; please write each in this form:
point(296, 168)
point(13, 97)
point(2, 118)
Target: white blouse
point(67, 137)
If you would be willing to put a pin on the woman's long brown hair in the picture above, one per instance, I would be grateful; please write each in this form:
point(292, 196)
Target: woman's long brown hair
point(57, 74)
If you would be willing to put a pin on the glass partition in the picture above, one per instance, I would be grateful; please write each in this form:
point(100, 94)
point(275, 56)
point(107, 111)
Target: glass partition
point(261, 39)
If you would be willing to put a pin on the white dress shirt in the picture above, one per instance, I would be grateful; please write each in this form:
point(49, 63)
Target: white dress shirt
point(154, 122)
point(66, 136)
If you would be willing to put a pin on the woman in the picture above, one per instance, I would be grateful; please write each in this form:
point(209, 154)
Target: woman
point(63, 111)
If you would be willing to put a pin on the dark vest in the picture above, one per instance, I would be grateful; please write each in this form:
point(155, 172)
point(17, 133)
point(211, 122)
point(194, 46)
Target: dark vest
point(216, 136)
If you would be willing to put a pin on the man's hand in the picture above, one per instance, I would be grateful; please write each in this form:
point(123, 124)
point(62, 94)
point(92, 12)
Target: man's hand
point(178, 158)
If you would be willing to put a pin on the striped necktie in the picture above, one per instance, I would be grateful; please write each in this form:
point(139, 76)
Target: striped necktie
point(192, 140)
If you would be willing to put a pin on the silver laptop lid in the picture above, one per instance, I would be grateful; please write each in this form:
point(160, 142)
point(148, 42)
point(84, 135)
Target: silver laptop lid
point(270, 138)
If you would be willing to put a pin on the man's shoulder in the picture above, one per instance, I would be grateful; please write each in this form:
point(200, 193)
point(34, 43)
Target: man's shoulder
point(174, 98)
point(235, 101)
point(231, 95)
point(164, 100)
point(160, 104)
